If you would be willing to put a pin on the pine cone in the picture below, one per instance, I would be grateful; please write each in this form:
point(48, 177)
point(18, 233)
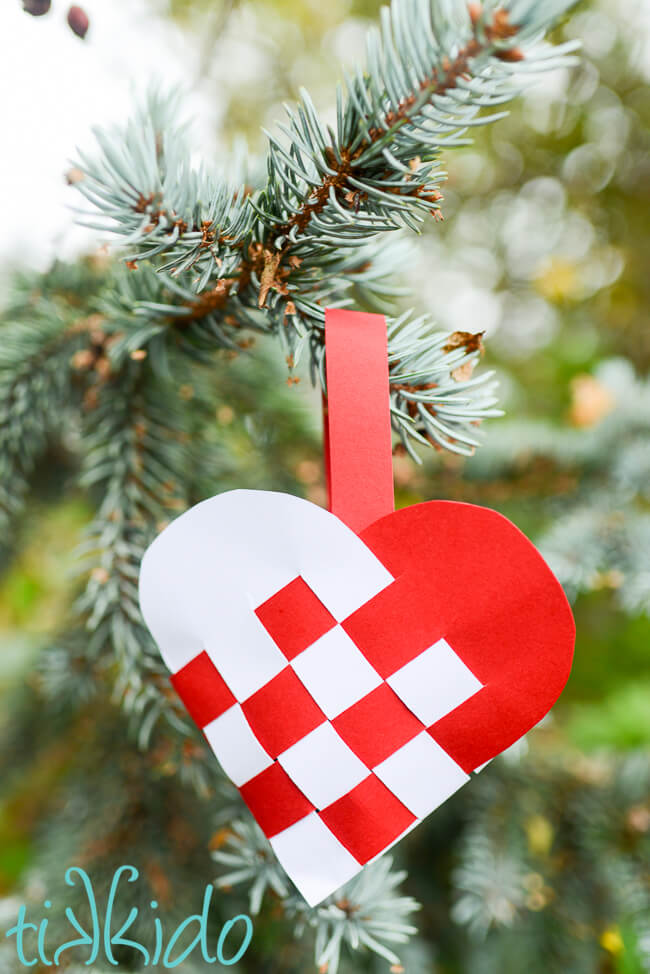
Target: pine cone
point(36, 7)
point(78, 21)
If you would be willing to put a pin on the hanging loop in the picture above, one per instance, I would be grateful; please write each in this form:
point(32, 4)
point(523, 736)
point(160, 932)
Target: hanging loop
point(356, 418)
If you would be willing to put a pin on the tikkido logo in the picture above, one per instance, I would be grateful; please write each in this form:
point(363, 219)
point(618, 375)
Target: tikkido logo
point(31, 938)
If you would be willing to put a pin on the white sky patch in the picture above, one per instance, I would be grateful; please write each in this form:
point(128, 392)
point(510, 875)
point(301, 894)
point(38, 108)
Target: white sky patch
point(55, 88)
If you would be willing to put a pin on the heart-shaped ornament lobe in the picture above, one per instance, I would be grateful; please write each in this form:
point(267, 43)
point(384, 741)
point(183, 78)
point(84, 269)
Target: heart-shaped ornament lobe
point(349, 684)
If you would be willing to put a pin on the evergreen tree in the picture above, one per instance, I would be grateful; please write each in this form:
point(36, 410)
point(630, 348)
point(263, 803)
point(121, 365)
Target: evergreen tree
point(136, 384)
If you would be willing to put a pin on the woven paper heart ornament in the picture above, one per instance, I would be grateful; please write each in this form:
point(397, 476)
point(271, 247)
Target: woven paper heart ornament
point(350, 669)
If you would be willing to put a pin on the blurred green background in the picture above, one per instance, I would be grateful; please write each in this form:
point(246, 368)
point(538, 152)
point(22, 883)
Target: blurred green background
point(546, 247)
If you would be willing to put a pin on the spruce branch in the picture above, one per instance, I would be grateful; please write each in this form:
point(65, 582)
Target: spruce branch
point(367, 913)
point(147, 191)
point(134, 458)
point(249, 858)
point(273, 257)
point(36, 358)
point(435, 397)
point(430, 69)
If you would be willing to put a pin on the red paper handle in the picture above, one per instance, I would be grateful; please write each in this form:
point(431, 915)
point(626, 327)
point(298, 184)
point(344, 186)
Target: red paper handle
point(356, 412)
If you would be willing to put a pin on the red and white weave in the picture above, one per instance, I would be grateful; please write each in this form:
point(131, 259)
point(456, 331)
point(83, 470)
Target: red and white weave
point(334, 771)
point(313, 675)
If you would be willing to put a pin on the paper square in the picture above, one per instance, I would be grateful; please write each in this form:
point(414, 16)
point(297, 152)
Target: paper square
point(344, 591)
point(421, 775)
point(314, 858)
point(335, 672)
point(274, 800)
point(367, 819)
point(393, 628)
point(377, 725)
point(247, 659)
point(323, 766)
point(202, 690)
point(434, 683)
point(294, 617)
point(239, 752)
point(282, 712)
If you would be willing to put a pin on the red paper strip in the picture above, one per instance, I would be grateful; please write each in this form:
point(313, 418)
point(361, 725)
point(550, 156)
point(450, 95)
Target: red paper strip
point(367, 819)
point(202, 689)
point(295, 618)
point(282, 712)
point(274, 800)
point(357, 431)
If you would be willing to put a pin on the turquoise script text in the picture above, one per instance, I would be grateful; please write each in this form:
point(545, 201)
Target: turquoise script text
point(105, 933)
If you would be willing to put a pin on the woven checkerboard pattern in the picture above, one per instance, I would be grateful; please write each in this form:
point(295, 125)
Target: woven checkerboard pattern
point(335, 752)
